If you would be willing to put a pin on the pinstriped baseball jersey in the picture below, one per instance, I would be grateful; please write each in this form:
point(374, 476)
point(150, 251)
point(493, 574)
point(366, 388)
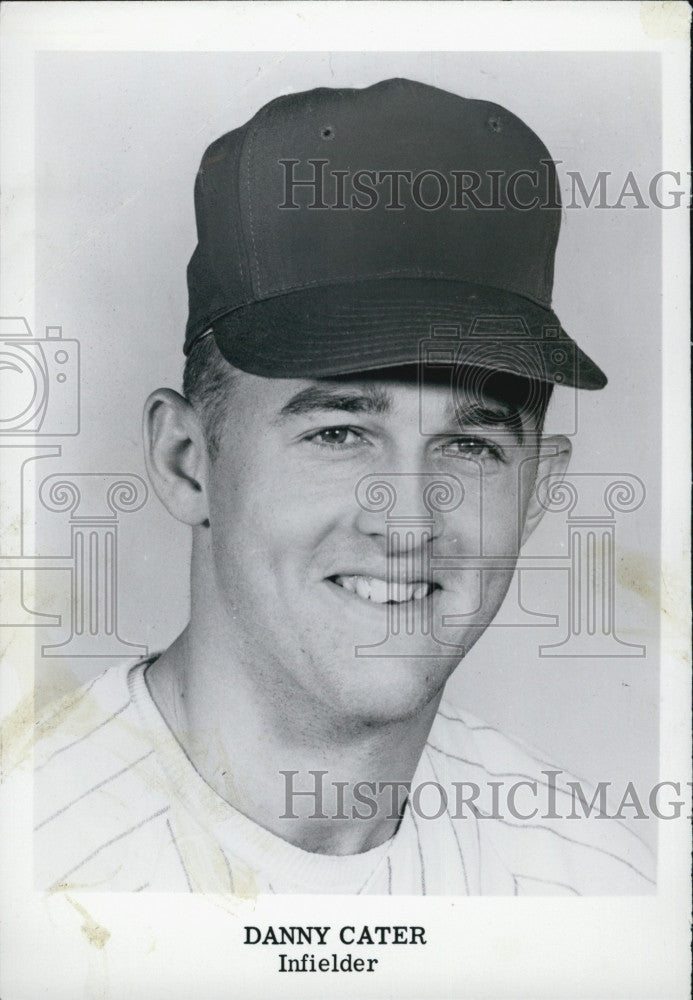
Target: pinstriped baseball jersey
point(119, 807)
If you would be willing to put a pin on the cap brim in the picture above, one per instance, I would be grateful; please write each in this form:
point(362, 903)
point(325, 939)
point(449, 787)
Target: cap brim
point(349, 328)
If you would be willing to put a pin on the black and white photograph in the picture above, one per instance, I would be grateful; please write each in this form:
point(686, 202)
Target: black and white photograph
point(344, 447)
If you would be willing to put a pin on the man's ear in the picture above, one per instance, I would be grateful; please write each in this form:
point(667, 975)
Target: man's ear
point(554, 456)
point(175, 452)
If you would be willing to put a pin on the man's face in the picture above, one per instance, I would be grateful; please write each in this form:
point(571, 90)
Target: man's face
point(312, 566)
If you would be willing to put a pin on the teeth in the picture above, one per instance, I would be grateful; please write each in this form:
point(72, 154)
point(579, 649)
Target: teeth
point(372, 588)
point(400, 592)
point(363, 588)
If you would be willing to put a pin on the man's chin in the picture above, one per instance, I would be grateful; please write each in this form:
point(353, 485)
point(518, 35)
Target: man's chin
point(386, 689)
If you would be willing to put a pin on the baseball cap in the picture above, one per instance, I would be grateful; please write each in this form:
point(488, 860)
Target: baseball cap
point(339, 229)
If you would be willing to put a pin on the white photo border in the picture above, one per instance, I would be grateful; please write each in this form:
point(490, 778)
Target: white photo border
point(69, 945)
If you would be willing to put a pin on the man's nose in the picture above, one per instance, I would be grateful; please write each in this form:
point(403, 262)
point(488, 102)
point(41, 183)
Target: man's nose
point(408, 507)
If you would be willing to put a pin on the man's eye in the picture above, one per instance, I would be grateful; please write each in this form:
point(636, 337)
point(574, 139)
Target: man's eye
point(335, 437)
point(473, 447)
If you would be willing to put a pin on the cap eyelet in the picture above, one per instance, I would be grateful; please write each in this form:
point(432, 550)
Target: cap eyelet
point(495, 124)
point(327, 132)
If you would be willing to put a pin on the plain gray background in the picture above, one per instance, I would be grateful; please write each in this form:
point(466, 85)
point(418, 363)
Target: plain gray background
point(119, 137)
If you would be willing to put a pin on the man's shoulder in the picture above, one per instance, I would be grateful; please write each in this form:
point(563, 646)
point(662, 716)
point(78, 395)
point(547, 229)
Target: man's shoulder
point(75, 722)
point(459, 736)
point(548, 826)
point(96, 784)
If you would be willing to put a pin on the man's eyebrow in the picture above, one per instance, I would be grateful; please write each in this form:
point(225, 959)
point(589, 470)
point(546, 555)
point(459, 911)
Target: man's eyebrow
point(370, 400)
point(491, 415)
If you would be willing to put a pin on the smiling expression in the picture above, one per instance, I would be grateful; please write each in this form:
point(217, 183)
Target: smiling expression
point(332, 570)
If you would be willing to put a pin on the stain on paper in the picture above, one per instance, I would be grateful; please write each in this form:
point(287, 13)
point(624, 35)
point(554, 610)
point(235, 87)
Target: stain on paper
point(639, 574)
point(668, 19)
point(94, 932)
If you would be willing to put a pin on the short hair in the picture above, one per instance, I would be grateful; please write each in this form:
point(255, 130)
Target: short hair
point(208, 381)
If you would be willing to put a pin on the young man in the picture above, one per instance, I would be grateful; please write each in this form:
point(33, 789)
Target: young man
point(358, 499)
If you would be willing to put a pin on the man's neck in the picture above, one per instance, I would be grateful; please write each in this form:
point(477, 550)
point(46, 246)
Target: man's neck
point(334, 789)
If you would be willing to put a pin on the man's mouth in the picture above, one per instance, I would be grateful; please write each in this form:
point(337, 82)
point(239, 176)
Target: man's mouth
point(379, 591)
